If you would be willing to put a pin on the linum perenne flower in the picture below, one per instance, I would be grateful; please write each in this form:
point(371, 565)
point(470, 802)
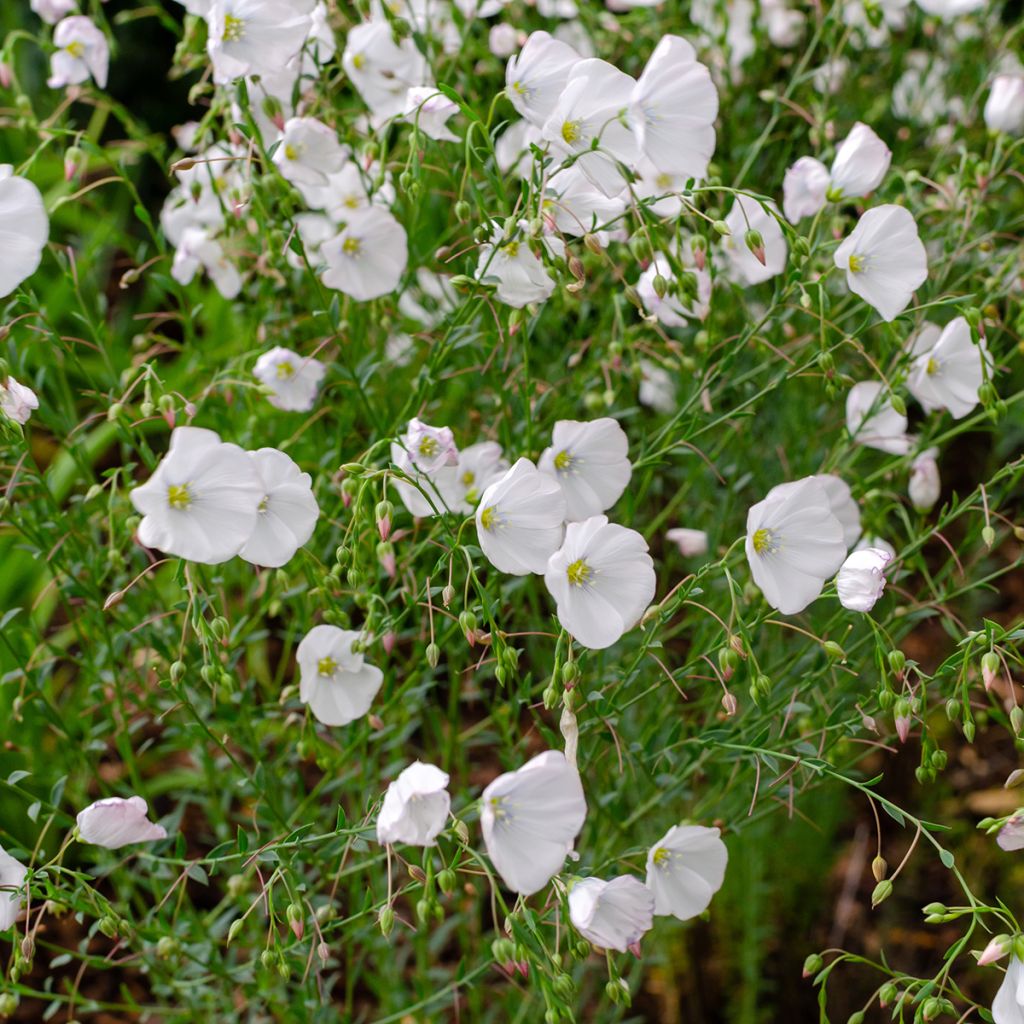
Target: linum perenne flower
point(795, 542)
point(519, 520)
point(12, 878)
point(17, 401)
point(381, 68)
point(415, 806)
point(202, 501)
point(804, 189)
point(612, 915)
point(602, 580)
point(24, 229)
point(512, 267)
point(530, 819)
point(860, 164)
point(51, 11)
point(82, 52)
point(872, 420)
point(429, 110)
point(861, 579)
point(925, 487)
point(672, 110)
point(1004, 108)
point(685, 869)
point(691, 543)
point(288, 513)
point(478, 467)
point(536, 76)
point(428, 455)
point(196, 249)
point(1008, 1005)
point(309, 152)
point(587, 111)
point(293, 379)
point(117, 822)
point(884, 259)
point(334, 680)
point(948, 371)
point(590, 462)
point(255, 37)
point(368, 256)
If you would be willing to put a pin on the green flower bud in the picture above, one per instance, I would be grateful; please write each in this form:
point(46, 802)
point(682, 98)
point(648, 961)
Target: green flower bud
point(881, 892)
point(812, 965)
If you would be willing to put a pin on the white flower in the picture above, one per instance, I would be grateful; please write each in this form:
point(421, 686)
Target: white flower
point(587, 112)
point(840, 501)
point(334, 681)
point(947, 373)
point(860, 164)
point(573, 206)
point(512, 150)
point(749, 215)
point(429, 448)
point(946, 9)
point(672, 110)
point(884, 259)
point(415, 806)
point(287, 513)
point(804, 189)
point(1004, 108)
point(861, 579)
point(1008, 1005)
point(367, 259)
point(530, 819)
point(294, 379)
point(536, 76)
point(872, 421)
point(51, 11)
point(82, 51)
point(502, 39)
point(517, 273)
point(478, 467)
point(691, 543)
point(429, 110)
point(309, 152)
point(254, 37)
point(611, 915)
point(381, 69)
point(1011, 835)
point(685, 869)
point(876, 542)
point(24, 229)
point(657, 389)
point(795, 542)
point(519, 520)
point(117, 822)
point(924, 487)
point(12, 878)
point(202, 501)
point(590, 461)
point(17, 401)
point(197, 249)
point(602, 580)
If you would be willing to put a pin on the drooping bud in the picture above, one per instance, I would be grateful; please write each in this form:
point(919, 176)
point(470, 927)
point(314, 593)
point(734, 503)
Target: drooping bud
point(812, 965)
point(998, 947)
point(295, 917)
point(755, 243)
point(881, 892)
point(386, 557)
point(383, 514)
point(989, 668)
point(879, 868)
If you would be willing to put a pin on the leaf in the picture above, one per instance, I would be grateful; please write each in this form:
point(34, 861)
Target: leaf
point(196, 873)
point(894, 813)
point(33, 811)
point(243, 841)
point(15, 777)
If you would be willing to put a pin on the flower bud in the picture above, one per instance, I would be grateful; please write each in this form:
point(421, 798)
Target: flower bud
point(988, 535)
point(881, 892)
point(998, 947)
point(931, 1009)
point(447, 595)
point(386, 557)
point(722, 228)
point(897, 661)
point(386, 921)
point(8, 1004)
point(433, 655)
point(887, 994)
point(989, 668)
point(834, 651)
point(296, 915)
point(812, 965)
point(879, 868)
point(755, 243)
point(383, 514)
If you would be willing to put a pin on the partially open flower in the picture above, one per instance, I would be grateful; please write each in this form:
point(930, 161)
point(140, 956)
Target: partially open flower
point(530, 819)
point(611, 915)
point(804, 189)
point(859, 165)
point(691, 543)
point(12, 878)
point(334, 681)
point(415, 806)
point(17, 401)
point(685, 869)
point(24, 229)
point(117, 822)
point(925, 486)
point(861, 579)
point(1008, 1006)
point(872, 420)
point(81, 52)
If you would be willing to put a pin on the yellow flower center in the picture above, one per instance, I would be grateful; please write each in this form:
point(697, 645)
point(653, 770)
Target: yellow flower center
point(178, 496)
point(660, 856)
point(762, 541)
point(76, 49)
point(327, 666)
point(563, 460)
point(519, 88)
point(290, 152)
point(487, 518)
point(663, 181)
point(428, 447)
point(285, 370)
point(350, 246)
point(571, 131)
point(233, 28)
point(352, 202)
point(358, 62)
point(468, 478)
point(578, 573)
point(263, 505)
point(511, 250)
point(856, 264)
point(932, 367)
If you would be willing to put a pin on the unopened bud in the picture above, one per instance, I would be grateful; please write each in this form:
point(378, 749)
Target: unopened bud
point(988, 535)
point(812, 965)
point(433, 655)
point(834, 651)
point(755, 243)
point(879, 868)
point(997, 948)
point(881, 892)
point(386, 921)
point(722, 228)
point(383, 514)
point(447, 595)
point(989, 668)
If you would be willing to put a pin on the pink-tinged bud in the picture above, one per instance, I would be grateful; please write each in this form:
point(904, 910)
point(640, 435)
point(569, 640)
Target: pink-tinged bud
point(634, 948)
point(730, 704)
point(997, 948)
point(383, 515)
point(700, 259)
point(522, 967)
point(386, 557)
point(70, 168)
point(278, 120)
point(169, 415)
point(376, 722)
point(5, 75)
point(388, 641)
point(384, 528)
point(190, 410)
point(989, 668)
point(298, 928)
point(346, 498)
point(903, 727)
